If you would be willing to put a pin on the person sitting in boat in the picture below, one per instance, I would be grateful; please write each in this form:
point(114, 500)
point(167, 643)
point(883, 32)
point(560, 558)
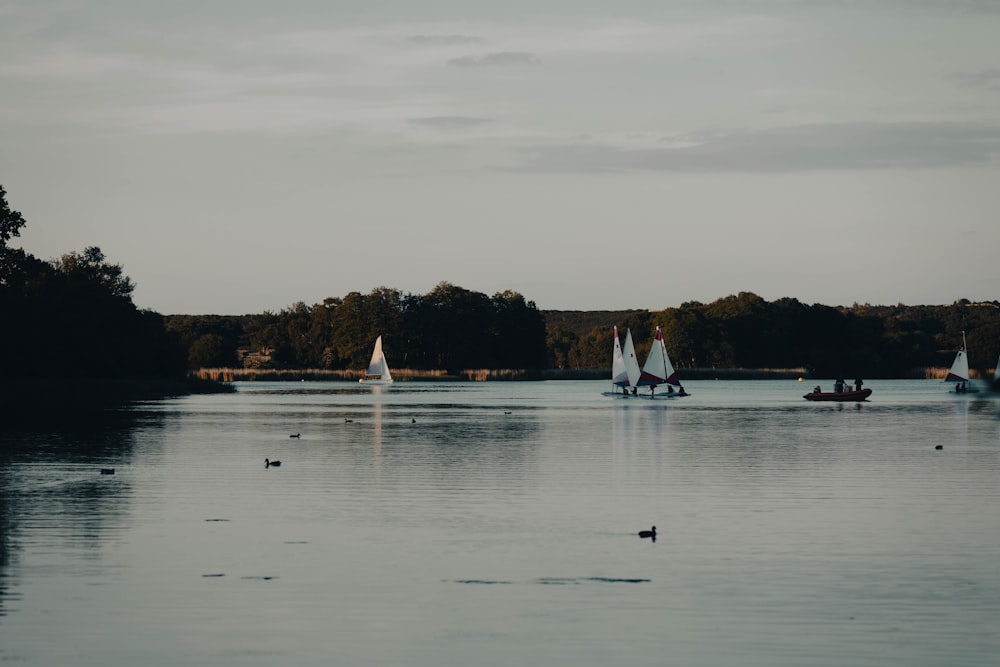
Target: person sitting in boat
point(817, 389)
point(681, 392)
point(670, 388)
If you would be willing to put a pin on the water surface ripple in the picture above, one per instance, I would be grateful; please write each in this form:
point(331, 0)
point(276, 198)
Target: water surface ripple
point(497, 524)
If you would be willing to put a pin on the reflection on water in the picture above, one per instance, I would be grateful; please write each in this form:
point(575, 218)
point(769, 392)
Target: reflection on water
point(463, 523)
point(54, 493)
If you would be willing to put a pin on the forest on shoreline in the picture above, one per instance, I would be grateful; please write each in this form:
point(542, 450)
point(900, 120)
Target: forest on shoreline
point(73, 318)
point(452, 330)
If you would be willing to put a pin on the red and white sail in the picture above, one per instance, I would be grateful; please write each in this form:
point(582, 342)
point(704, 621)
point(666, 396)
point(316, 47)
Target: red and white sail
point(658, 369)
point(959, 371)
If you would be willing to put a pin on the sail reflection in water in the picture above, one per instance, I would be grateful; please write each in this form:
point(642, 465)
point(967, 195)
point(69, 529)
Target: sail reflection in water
point(463, 523)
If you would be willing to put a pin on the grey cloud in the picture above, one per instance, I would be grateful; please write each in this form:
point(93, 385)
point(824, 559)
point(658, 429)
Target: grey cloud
point(444, 40)
point(987, 78)
point(797, 148)
point(503, 59)
point(449, 122)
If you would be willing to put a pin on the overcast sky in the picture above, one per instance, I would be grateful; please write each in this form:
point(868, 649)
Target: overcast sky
point(238, 156)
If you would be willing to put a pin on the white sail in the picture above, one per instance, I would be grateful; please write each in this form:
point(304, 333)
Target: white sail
point(619, 377)
point(631, 362)
point(959, 371)
point(378, 368)
point(658, 369)
point(377, 365)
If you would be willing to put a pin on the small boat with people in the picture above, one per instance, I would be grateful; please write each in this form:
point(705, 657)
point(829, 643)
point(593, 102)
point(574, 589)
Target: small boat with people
point(841, 392)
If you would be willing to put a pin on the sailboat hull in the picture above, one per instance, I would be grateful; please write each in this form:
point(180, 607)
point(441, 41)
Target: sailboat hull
point(665, 394)
point(645, 394)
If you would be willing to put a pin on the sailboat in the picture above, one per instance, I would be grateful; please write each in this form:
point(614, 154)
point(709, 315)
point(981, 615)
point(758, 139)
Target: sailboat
point(378, 369)
point(624, 366)
point(658, 370)
point(631, 362)
point(959, 371)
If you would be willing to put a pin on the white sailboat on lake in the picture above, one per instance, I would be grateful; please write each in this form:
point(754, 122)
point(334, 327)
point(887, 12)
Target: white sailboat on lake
point(624, 366)
point(959, 371)
point(378, 369)
point(658, 370)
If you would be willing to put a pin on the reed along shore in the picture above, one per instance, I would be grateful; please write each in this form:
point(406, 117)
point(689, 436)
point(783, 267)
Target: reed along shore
point(484, 374)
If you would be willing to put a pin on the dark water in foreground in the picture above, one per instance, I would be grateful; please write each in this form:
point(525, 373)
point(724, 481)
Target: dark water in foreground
point(499, 528)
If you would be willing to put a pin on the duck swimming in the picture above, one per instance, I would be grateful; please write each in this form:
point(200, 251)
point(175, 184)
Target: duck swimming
point(648, 533)
point(268, 463)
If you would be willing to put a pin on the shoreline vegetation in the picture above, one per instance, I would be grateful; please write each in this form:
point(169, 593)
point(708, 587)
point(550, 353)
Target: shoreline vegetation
point(463, 331)
point(229, 375)
point(226, 375)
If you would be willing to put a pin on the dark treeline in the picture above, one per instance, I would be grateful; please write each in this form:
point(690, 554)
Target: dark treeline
point(746, 331)
point(454, 329)
point(73, 317)
point(449, 328)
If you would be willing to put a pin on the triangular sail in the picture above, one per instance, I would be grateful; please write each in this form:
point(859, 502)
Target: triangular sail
point(631, 362)
point(386, 375)
point(378, 368)
point(619, 376)
point(375, 366)
point(658, 369)
point(959, 371)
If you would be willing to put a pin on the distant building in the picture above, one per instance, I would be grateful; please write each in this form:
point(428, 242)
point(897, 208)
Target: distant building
point(254, 358)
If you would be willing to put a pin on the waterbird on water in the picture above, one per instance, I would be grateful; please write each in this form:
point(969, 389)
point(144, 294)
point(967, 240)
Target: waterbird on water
point(648, 533)
point(269, 463)
point(294, 435)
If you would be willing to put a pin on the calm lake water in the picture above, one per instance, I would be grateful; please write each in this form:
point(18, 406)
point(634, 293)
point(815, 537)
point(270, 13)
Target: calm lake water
point(439, 524)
